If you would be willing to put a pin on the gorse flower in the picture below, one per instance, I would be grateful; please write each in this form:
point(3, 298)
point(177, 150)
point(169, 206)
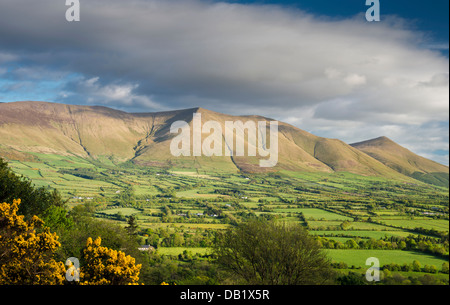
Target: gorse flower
point(104, 266)
point(26, 257)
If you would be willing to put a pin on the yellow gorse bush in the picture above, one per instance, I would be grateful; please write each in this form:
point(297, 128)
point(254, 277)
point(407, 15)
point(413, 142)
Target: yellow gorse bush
point(26, 256)
point(104, 266)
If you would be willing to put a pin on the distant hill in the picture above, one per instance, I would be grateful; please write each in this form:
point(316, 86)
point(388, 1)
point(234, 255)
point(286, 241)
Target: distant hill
point(144, 138)
point(404, 161)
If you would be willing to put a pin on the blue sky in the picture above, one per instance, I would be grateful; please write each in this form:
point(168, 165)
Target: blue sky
point(317, 64)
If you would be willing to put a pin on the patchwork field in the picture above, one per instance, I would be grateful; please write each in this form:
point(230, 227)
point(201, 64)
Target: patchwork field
point(354, 217)
point(358, 258)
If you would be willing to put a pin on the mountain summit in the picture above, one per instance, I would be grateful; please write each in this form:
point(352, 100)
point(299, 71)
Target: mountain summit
point(404, 161)
point(144, 138)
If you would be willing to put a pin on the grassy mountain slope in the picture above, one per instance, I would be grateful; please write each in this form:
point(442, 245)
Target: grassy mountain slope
point(404, 161)
point(144, 138)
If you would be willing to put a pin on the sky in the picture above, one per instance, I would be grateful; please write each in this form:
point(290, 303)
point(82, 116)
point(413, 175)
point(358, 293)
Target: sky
point(316, 64)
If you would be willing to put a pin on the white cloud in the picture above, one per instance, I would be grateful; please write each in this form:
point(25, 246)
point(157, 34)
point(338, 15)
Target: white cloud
point(116, 95)
point(123, 93)
point(355, 79)
point(7, 57)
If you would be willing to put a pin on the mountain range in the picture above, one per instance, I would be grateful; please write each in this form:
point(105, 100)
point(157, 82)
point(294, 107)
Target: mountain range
point(144, 138)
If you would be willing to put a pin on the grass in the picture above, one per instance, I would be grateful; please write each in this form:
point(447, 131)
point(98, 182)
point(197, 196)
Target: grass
point(190, 226)
point(319, 214)
point(438, 224)
point(175, 251)
point(344, 196)
point(367, 226)
point(358, 257)
point(123, 211)
point(363, 234)
point(324, 224)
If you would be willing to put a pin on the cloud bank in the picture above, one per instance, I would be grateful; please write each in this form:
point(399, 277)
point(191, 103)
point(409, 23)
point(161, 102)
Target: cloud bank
point(341, 78)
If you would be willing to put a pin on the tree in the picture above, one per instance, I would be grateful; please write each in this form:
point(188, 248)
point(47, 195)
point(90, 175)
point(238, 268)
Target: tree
point(27, 251)
point(416, 266)
point(269, 253)
point(177, 240)
point(104, 266)
point(113, 235)
point(126, 197)
point(56, 218)
point(402, 245)
point(132, 225)
point(26, 257)
point(445, 267)
point(430, 269)
point(351, 244)
point(345, 225)
point(35, 201)
point(352, 278)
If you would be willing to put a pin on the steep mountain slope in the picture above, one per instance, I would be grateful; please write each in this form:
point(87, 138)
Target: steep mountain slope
point(298, 151)
point(77, 130)
point(404, 161)
point(145, 138)
point(337, 155)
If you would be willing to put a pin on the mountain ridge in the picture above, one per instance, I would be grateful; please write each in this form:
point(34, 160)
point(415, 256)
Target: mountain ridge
point(404, 161)
point(144, 138)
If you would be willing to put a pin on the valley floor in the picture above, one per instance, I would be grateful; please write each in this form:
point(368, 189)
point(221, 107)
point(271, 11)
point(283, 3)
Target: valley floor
point(353, 217)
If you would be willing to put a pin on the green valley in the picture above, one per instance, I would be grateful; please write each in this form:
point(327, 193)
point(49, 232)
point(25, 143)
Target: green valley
point(116, 173)
point(177, 211)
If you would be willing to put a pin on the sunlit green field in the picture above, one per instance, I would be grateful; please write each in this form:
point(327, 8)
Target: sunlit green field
point(358, 258)
point(180, 250)
point(339, 206)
